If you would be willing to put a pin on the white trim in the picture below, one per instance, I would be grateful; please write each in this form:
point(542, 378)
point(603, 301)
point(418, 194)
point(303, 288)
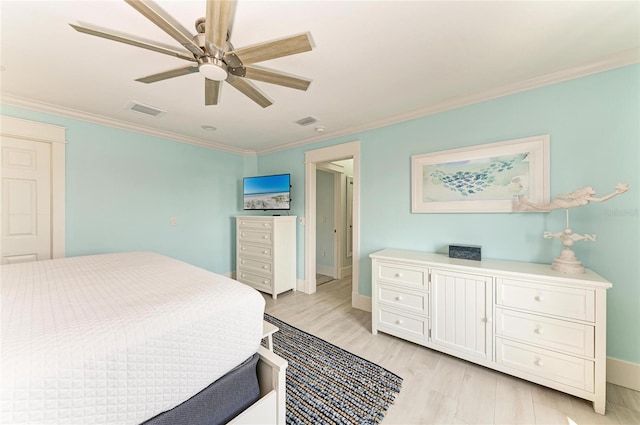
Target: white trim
point(345, 271)
point(111, 122)
point(361, 302)
point(330, 153)
point(56, 137)
point(301, 285)
point(310, 228)
point(31, 130)
point(330, 167)
point(325, 270)
point(624, 58)
point(623, 373)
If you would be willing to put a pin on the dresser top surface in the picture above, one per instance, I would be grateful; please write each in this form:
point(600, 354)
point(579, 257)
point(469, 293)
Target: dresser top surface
point(503, 267)
point(267, 217)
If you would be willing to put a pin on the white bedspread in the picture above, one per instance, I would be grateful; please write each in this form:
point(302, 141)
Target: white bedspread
point(117, 338)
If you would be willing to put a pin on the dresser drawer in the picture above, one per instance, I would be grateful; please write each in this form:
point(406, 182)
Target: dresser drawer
point(255, 224)
point(255, 280)
point(263, 252)
point(555, 334)
point(404, 325)
point(561, 301)
point(414, 277)
point(561, 368)
point(403, 299)
point(256, 236)
point(255, 264)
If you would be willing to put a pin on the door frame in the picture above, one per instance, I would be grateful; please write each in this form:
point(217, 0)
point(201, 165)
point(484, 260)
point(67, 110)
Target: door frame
point(311, 158)
point(18, 128)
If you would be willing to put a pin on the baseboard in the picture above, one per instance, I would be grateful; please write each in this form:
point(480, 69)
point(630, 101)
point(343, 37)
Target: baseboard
point(325, 270)
point(301, 285)
point(623, 373)
point(345, 271)
point(360, 302)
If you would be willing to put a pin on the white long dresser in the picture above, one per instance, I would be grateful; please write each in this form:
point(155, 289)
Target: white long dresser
point(523, 319)
point(266, 253)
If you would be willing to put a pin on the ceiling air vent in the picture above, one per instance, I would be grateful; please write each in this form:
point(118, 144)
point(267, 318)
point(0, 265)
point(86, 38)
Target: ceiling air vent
point(306, 121)
point(145, 109)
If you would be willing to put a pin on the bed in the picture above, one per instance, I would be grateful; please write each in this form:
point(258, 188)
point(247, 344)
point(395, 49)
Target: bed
point(121, 338)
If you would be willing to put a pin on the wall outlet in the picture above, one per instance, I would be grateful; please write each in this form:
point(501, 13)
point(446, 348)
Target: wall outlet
point(302, 220)
point(173, 221)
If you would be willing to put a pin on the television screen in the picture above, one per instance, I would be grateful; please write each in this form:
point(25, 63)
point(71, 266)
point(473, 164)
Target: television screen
point(267, 192)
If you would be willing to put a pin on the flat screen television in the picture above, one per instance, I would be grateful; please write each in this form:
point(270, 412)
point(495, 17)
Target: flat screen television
point(267, 192)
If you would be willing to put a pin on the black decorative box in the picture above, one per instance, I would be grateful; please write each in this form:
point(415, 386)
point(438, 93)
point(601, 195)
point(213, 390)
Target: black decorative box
point(466, 252)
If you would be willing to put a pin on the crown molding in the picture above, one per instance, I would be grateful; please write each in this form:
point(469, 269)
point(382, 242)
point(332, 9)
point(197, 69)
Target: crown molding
point(110, 122)
point(621, 59)
point(624, 58)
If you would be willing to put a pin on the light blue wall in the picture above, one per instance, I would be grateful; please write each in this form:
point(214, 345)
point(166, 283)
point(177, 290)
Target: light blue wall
point(122, 188)
point(594, 127)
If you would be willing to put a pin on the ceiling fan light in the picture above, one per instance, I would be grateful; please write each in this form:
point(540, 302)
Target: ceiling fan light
point(213, 71)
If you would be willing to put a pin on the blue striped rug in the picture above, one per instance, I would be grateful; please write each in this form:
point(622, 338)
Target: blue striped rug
point(328, 385)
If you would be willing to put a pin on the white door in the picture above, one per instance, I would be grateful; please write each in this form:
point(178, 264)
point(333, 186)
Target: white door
point(462, 313)
point(26, 201)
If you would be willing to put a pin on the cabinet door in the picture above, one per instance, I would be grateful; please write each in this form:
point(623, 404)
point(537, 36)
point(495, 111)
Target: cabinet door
point(461, 313)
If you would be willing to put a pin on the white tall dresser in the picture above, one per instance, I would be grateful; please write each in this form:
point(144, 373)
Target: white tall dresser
point(266, 253)
point(519, 318)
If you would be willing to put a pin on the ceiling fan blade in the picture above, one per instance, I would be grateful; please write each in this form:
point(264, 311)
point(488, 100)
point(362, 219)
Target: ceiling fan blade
point(168, 74)
point(132, 42)
point(211, 91)
point(273, 49)
point(274, 77)
point(157, 18)
point(249, 90)
point(217, 22)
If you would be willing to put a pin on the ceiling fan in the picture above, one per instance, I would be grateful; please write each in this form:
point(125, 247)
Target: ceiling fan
point(212, 54)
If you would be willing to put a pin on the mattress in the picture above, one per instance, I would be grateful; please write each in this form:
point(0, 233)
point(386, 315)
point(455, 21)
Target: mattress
point(117, 338)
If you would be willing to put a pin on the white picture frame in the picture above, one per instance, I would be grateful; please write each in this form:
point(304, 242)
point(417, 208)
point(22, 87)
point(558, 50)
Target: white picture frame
point(481, 179)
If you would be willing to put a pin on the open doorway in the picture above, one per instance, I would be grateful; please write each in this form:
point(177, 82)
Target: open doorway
point(334, 220)
point(314, 158)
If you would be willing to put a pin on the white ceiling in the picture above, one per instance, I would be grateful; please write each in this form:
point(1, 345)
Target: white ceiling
point(373, 62)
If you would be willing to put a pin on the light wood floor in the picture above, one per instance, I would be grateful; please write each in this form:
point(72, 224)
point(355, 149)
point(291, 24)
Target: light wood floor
point(437, 388)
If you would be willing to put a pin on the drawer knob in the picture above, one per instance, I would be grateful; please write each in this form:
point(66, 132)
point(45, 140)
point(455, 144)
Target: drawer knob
point(398, 274)
point(399, 298)
point(243, 234)
point(265, 281)
point(539, 298)
point(242, 275)
point(265, 267)
point(486, 319)
point(242, 249)
point(243, 262)
point(539, 331)
point(539, 362)
point(265, 252)
point(266, 224)
point(399, 321)
point(266, 236)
